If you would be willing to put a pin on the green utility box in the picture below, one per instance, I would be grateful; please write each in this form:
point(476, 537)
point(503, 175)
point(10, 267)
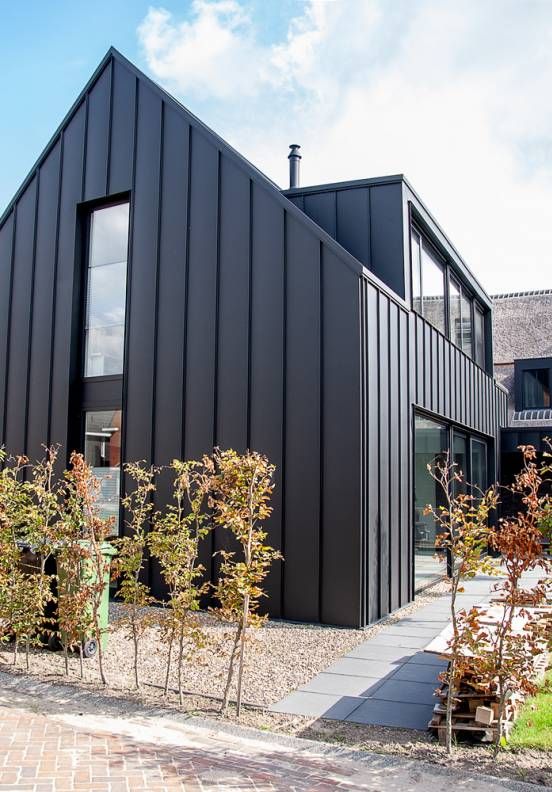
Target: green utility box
point(89, 572)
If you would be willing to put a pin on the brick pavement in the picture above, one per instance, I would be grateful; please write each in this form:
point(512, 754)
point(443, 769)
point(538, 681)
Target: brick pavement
point(44, 755)
point(59, 738)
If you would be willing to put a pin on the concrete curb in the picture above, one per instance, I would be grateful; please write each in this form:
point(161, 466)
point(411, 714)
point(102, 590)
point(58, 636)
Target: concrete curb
point(51, 696)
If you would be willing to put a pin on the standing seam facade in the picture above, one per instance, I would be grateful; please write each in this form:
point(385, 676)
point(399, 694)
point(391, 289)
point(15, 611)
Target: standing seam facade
point(247, 326)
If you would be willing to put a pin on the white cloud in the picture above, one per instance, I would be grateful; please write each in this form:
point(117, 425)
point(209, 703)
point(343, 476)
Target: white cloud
point(454, 95)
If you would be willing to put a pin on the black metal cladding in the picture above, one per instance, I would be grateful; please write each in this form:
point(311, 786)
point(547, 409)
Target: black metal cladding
point(247, 326)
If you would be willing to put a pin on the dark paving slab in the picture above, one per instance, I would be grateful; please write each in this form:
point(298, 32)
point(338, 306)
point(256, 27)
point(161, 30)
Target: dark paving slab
point(391, 654)
point(425, 658)
point(344, 685)
point(408, 692)
point(382, 713)
point(414, 631)
point(400, 641)
point(388, 680)
point(366, 667)
point(318, 705)
point(415, 672)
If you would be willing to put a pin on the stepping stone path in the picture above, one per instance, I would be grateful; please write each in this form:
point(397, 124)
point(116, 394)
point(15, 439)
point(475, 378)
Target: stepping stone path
point(388, 680)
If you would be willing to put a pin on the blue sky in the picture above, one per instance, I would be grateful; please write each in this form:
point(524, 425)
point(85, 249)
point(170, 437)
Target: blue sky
point(48, 50)
point(454, 95)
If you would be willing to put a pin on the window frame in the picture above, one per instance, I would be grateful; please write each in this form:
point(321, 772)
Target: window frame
point(86, 237)
point(471, 436)
point(529, 364)
point(465, 292)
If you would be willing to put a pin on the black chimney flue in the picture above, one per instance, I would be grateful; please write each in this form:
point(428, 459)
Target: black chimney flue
point(294, 166)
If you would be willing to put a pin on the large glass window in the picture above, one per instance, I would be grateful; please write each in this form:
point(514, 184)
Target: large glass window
point(102, 450)
point(479, 336)
point(428, 282)
point(432, 442)
point(455, 313)
point(430, 445)
point(106, 291)
point(478, 475)
point(466, 305)
point(433, 289)
point(466, 321)
point(416, 273)
point(460, 458)
point(536, 389)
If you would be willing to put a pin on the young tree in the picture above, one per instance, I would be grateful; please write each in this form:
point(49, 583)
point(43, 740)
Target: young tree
point(463, 532)
point(519, 541)
point(175, 543)
point(24, 588)
point(241, 493)
point(82, 515)
point(129, 563)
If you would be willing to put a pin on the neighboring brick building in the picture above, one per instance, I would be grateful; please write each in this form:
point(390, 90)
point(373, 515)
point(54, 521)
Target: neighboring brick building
point(522, 332)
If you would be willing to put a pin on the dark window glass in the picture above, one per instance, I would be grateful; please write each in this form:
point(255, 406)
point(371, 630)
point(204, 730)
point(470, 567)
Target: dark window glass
point(479, 475)
point(479, 331)
point(102, 451)
point(433, 289)
point(106, 291)
point(536, 389)
point(460, 459)
point(416, 275)
point(466, 344)
point(431, 445)
point(455, 313)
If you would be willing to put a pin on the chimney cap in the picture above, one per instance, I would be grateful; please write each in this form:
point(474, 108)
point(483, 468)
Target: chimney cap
point(294, 150)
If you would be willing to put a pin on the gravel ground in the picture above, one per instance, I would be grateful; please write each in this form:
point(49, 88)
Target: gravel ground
point(280, 657)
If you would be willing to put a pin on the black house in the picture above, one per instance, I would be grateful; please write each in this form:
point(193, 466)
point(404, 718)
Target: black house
point(159, 296)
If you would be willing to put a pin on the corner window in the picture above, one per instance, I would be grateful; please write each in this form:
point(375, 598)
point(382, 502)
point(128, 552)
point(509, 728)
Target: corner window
point(428, 282)
point(102, 451)
point(106, 291)
point(536, 389)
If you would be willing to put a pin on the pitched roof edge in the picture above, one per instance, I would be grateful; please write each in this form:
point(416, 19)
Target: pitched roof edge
point(54, 138)
point(257, 175)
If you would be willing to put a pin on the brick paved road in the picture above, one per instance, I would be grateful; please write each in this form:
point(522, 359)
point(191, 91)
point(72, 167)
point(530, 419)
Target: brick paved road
point(41, 753)
point(55, 738)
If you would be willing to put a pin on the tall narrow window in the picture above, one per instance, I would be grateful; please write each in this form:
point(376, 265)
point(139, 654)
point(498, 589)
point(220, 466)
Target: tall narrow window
point(479, 336)
point(455, 313)
point(102, 451)
point(466, 345)
point(433, 285)
point(416, 273)
point(106, 291)
point(428, 282)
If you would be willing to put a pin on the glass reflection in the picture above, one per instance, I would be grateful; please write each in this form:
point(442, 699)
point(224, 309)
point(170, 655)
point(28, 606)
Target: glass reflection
point(106, 291)
point(430, 446)
point(102, 451)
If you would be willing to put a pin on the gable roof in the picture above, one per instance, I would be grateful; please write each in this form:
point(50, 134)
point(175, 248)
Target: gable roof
point(254, 172)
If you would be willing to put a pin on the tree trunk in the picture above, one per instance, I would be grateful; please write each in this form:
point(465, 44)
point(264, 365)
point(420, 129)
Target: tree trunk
point(100, 651)
point(27, 654)
point(136, 657)
point(168, 671)
point(226, 697)
point(66, 658)
point(450, 700)
point(15, 650)
point(80, 661)
point(242, 653)
point(180, 656)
